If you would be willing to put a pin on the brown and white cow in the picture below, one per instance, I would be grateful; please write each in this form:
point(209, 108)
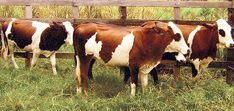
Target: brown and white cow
point(36, 37)
point(203, 40)
point(139, 48)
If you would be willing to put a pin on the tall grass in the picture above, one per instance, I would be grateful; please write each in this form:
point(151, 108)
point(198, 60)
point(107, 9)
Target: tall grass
point(112, 12)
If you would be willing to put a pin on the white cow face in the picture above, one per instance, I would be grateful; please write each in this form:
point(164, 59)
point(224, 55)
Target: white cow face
point(225, 36)
point(178, 44)
point(70, 30)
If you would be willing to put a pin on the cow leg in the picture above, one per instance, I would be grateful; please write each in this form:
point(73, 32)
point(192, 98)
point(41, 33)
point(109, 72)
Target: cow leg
point(11, 51)
point(13, 61)
point(90, 73)
point(82, 67)
point(5, 56)
point(134, 70)
point(53, 63)
point(154, 74)
point(79, 88)
point(195, 67)
point(5, 53)
point(34, 58)
point(143, 78)
point(126, 73)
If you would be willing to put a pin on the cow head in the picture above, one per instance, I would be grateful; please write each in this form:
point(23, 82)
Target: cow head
point(69, 28)
point(224, 32)
point(178, 44)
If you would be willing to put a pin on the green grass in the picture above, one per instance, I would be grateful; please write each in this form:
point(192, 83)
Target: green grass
point(38, 89)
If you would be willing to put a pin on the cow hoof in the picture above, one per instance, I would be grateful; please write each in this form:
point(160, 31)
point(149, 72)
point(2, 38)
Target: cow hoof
point(79, 90)
point(55, 73)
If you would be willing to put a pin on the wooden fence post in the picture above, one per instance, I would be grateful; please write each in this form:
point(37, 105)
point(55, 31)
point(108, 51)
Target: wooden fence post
point(28, 15)
point(28, 11)
point(177, 11)
point(123, 14)
point(75, 14)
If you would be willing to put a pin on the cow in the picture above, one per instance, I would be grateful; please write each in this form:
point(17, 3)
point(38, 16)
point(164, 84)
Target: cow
point(203, 41)
point(138, 48)
point(36, 37)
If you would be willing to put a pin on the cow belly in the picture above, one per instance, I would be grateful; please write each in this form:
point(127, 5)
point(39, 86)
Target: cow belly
point(144, 70)
point(200, 64)
point(205, 62)
point(121, 54)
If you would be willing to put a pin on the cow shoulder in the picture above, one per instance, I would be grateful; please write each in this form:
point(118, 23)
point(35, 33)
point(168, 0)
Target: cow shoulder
point(52, 38)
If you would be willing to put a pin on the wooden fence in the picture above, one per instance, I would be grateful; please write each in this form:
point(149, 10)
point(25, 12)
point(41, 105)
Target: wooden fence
point(123, 4)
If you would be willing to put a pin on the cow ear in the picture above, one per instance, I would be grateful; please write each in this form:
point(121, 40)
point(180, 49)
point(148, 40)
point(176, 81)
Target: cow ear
point(209, 26)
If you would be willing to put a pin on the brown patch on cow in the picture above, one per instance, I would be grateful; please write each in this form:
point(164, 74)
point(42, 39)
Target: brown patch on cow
point(204, 43)
point(186, 30)
point(52, 38)
point(22, 32)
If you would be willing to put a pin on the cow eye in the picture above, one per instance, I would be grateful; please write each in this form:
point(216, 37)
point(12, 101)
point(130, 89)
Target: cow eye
point(221, 32)
point(177, 37)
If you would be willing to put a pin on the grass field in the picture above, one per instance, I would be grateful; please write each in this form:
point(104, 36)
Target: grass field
point(38, 89)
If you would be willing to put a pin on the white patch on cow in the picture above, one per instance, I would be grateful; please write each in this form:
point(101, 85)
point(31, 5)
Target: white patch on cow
point(201, 64)
point(196, 63)
point(36, 38)
point(70, 30)
point(121, 54)
point(133, 89)
point(93, 47)
point(177, 46)
point(180, 57)
point(8, 30)
point(227, 40)
point(191, 37)
point(79, 88)
point(144, 71)
point(146, 68)
point(205, 62)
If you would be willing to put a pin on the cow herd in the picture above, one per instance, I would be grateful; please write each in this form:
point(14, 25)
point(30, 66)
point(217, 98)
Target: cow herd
point(137, 50)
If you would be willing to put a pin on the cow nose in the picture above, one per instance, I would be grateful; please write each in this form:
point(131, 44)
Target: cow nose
point(231, 45)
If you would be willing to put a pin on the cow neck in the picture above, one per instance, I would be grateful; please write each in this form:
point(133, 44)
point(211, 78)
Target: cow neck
point(50, 42)
point(204, 43)
point(154, 46)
